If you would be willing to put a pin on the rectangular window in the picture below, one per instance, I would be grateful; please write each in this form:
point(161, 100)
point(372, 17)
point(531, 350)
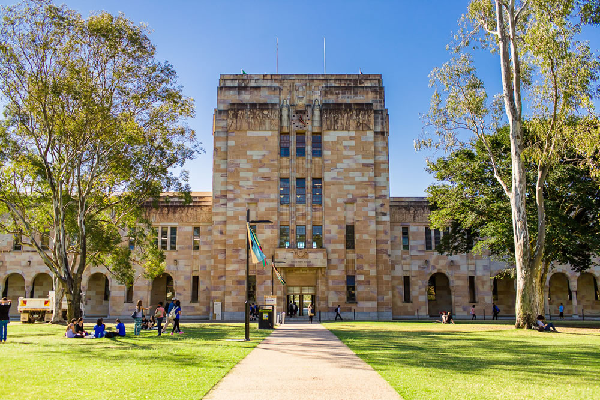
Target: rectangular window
point(405, 243)
point(129, 294)
point(436, 238)
point(45, 240)
point(195, 284)
point(252, 288)
point(317, 237)
point(164, 232)
point(472, 294)
point(284, 237)
point(284, 191)
point(300, 145)
point(301, 236)
point(300, 191)
point(317, 145)
point(428, 239)
point(17, 241)
point(106, 289)
point(284, 146)
point(350, 288)
point(407, 289)
point(173, 241)
point(495, 290)
point(317, 191)
point(196, 238)
point(350, 237)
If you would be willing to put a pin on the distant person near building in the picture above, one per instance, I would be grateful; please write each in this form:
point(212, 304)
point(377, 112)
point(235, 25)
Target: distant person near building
point(4, 318)
point(561, 310)
point(338, 313)
point(495, 311)
point(473, 314)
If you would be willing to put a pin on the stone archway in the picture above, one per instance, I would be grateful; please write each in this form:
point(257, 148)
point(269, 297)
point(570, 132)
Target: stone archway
point(41, 286)
point(162, 290)
point(439, 294)
point(97, 296)
point(588, 294)
point(504, 295)
point(13, 288)
point(559, 292)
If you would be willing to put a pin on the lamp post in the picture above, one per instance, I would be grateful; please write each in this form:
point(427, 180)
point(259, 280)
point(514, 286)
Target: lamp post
point(247, 306)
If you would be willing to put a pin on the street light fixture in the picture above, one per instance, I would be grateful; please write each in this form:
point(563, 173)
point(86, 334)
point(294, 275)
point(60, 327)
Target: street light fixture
point(247, 305)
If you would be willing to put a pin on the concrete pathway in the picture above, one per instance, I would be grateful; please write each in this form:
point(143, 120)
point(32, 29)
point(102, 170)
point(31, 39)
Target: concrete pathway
point(302, 361)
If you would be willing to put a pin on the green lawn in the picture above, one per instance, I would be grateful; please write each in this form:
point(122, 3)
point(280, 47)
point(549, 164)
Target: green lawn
point(423, 360)
point(37, 362)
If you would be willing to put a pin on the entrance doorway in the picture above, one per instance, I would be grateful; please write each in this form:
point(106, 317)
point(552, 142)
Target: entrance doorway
point(302, 297)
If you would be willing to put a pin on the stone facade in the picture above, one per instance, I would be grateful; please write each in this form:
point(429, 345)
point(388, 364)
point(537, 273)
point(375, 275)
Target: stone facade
point(309, 155)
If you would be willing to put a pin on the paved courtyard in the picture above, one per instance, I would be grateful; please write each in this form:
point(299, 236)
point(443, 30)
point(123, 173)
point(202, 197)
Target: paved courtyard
point(302, 361)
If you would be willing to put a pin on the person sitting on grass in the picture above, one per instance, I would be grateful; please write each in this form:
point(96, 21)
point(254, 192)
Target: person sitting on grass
point(79, 327)
point(449, 319)
point(542, 326)
point(120, 330)
point(443, 318)
point(70, 332)
point(99, 329)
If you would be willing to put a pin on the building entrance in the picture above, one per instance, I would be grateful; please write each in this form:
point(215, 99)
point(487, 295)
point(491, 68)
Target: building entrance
point(302, 297)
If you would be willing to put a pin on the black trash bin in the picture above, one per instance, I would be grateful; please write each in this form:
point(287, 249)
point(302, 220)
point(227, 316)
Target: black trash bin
point(266, 317)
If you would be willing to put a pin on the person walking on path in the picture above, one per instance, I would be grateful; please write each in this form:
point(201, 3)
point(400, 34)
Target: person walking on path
point(338, 312)
point(176, 315)
point(4, 318)
point(495, 311)
point(310, 312)
point(168, 314)
point(138, 315)
point(473, 314)
point(561, 309)
point(159, 315)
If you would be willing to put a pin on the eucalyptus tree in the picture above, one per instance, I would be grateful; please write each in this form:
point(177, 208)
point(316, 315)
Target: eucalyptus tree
point(548, 77)
point(93, 127)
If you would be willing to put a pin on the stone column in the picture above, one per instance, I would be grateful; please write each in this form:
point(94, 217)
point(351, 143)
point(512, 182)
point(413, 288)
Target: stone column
point(574, 313)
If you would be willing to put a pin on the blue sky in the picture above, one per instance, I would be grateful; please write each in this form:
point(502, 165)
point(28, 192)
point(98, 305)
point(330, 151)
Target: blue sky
point(402, 40)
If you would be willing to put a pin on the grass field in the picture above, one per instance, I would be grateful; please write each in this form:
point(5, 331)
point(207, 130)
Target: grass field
point(37, 362)
point(479, 361)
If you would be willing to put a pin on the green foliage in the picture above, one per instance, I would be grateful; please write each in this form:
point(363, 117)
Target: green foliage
point(94, 126)
point(471, 200)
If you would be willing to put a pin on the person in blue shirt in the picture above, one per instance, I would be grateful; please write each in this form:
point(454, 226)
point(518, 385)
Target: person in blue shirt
point(168, 318)
point(99, 328)
point(120, 330)
point(176, 319)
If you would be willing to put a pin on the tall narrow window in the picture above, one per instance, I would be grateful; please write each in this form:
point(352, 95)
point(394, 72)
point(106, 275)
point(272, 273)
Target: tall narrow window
point(317, 237)
point(196, 238)
point(428, 238)
point(252, 288)
point(407, 289)
point(317, 145)
point(284, 237)
point(350, 288)
point(405, 242)
point(284, 146)
point(472, 293)
point(195, 285)
point(436, 238)
point(17, 241)
point(106, 289)
point(350, 237)
point(300, 145)
point(495, 290)
point(596, 291)
point(45, 240)
point(300, 191)
point(431, 288)
point(164, 232)
point(284, 191)
point(301, 236)
point(129, 294)
point(317, 191)
point(173, 239)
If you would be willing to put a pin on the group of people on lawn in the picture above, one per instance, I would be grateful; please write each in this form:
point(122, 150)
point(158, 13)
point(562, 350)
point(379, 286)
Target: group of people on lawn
point(170, 315)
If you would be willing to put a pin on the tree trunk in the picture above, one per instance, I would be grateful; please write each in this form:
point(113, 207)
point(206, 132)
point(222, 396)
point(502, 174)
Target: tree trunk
point(73, 293)
point(59, 292)
point(530, 297)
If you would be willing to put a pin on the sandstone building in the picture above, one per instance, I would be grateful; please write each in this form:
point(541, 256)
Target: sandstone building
point(309, 153)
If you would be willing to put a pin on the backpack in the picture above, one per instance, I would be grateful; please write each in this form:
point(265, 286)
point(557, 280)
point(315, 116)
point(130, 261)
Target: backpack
point(173, 313)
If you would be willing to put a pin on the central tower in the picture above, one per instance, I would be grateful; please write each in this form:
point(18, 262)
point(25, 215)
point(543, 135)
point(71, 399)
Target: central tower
point(310, 153)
